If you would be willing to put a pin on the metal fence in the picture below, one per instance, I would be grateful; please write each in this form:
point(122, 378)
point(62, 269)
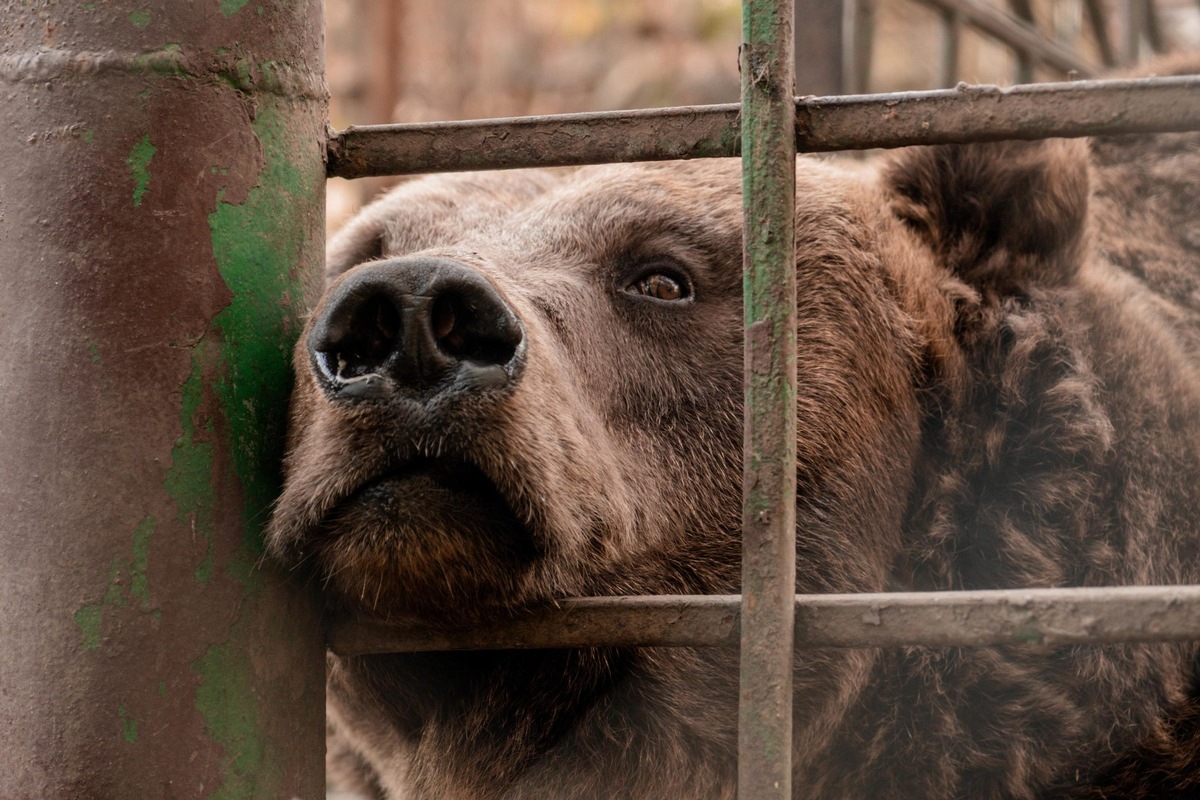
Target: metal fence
point(163, 176)
point(767, 129)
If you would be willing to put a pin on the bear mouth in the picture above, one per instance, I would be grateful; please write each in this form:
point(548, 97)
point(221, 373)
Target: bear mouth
point(443, 473)
point(431, 537)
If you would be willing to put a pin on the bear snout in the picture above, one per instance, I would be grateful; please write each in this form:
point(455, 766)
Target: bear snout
point(430, 329)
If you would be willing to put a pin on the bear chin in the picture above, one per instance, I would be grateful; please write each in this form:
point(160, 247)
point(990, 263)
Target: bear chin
point(434, 539)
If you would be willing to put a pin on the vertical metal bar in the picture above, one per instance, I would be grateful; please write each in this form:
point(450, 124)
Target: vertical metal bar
point(820, 64)
point(1098, 21)
point(862, 32)
point(769, 477)
point(951, 40)
point(158, 202)
point(1154, 33)
point(1132, 19)
point(384, 45)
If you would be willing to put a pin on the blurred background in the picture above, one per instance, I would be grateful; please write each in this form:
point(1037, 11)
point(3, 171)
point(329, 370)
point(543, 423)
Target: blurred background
point(427, 60)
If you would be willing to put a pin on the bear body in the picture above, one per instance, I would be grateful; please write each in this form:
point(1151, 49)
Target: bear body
point(526, 386)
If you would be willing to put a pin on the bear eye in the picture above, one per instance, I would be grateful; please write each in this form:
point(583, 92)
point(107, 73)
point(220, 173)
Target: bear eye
point(661, 286)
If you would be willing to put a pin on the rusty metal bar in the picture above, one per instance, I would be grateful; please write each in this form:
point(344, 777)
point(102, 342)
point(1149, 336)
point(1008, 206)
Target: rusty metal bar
point(1133, 22)
point(1098, 21)
point(1019, 36)
point(951, 41)
point(1154, 33)
point(963, 114)
point(820, 46)
point(157, 207)
point(934, 619)
point(862, 34)
point(1023, 10)
point(769, 456)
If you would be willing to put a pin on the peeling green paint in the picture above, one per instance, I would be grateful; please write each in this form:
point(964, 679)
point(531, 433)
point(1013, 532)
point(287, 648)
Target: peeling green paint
point(129, 731)
point(139, 167)
point(189, 478)
point(139, 587)
point(255, 249)
point(140, 18)
point(88, 619)
point(231, 7)
point(229, 706)
point(114, 595)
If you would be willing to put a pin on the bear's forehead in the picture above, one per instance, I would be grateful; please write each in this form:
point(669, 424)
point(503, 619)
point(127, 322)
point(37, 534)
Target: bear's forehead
point(586, 215)
point(586, 206)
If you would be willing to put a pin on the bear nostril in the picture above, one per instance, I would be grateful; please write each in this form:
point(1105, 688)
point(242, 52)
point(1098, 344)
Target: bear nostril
point(474, 331)
point(424, 328)
point(369, 338)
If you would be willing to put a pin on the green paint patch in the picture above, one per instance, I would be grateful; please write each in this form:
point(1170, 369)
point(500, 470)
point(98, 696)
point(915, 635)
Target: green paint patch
point(89, 136)
point(94, 352)
point(226, 701)
point(139, 167)
point(129, 730)
point(88, 619)
point(231, 7)
point(256, 244)
point(140, 18)
point(255, 248)
point(162, 688)
point(118, 593)
point(139, 587)
point(189, 478)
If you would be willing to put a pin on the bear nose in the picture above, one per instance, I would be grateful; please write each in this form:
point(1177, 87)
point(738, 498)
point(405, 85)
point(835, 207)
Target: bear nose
point(422, 326)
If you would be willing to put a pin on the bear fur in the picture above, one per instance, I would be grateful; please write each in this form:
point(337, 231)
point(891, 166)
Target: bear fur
point(998, 354)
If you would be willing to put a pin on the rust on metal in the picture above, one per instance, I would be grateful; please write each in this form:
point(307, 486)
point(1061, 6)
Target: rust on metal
point(158, 206)
point(1026, 40)
point(545, 141)
point(769, 454)
point(963, 114)
point(1010, 617)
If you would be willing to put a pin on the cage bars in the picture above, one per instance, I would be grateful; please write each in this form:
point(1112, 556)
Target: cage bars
point(1010, 617)
point(769, 452)
point(767, 620)
point(855, 122)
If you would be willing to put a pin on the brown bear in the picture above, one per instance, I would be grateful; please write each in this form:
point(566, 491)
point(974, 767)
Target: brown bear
point(527, 386)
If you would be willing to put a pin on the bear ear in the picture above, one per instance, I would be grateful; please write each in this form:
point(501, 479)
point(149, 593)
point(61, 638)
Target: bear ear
point(360, 241)
point(1004, 216)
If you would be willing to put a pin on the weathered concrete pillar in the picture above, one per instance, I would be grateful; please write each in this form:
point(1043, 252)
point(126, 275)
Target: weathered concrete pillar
point(161, 192)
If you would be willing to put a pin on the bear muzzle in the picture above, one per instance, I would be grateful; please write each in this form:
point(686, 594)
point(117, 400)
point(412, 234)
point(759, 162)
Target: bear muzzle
point(429, 329)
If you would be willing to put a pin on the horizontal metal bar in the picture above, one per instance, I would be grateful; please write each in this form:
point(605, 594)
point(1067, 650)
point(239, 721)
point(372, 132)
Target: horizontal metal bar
point(558, 140)
point(1018, 35)
point(854, 122)
point(936, 619)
